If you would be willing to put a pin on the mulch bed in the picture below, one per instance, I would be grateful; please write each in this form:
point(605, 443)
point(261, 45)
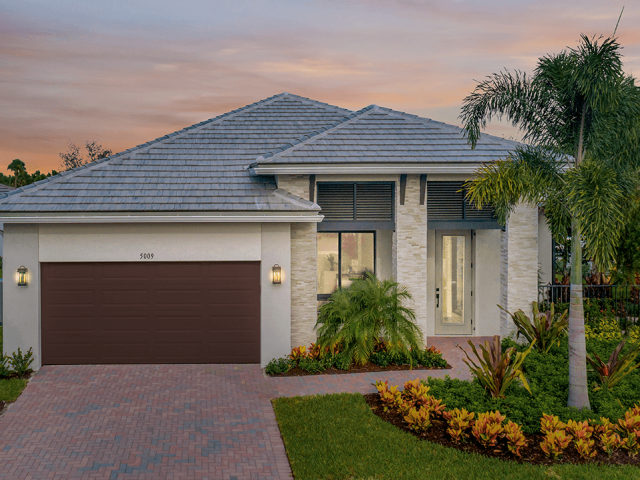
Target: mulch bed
point(367, 367)
point(531, 454)
point(3, 406)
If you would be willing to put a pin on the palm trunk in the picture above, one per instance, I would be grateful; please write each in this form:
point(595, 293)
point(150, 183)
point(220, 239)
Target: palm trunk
point(578, 390)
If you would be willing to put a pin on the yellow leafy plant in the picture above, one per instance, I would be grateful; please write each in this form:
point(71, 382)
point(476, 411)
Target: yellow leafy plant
point(551, 423)
point(419, 419)
point(555, 443)
point(488, 428)
point(298, 353)
point(459, 422)
point(515, 438)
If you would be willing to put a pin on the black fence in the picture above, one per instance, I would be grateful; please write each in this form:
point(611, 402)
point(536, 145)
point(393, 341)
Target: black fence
point(619, 301)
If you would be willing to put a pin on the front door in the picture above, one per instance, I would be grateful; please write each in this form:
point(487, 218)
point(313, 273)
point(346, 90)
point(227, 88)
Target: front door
point(454, 309)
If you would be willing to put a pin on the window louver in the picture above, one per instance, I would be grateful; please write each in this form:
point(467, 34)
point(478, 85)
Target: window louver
point(370, 202)
point(446, 202)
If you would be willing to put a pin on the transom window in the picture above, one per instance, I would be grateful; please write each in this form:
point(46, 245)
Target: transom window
point(342, 258)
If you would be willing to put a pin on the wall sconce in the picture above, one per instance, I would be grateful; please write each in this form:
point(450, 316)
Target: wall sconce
point(22, 276)
point(276, 274)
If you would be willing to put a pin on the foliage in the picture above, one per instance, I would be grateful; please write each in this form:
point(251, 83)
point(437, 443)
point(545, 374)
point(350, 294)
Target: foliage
point(555, 443)
point(5, 369)
point(20, 362)
point(515, 438)
point(428, 357)
point(368, 310)
point(582, 433)
point(419, 419)
point(339, 437)
point(298, 353)
point(488, 428)
point(459, 421)
point(278, 365)
point(390, 397)
point(603, 328)
point(497, 369)
point(72, 158)
point(311, 365)
point(545, 330)
point(617, 367)
point(551, 423)
point(629, 428)
point(21, 176)
point(627, 261)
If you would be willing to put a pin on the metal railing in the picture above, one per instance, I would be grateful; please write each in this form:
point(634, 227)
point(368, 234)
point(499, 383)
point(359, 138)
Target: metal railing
point(619, 301)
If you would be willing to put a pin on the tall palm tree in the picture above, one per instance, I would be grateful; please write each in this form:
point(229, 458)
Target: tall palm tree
point(581, 115)
point(17, 167)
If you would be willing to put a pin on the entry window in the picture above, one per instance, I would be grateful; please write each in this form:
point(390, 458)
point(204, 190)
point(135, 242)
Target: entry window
point(453, 250)
point(342, 258)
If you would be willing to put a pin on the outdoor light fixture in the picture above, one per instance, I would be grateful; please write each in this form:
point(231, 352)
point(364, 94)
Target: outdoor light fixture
point(276, 274)
point(22, 276)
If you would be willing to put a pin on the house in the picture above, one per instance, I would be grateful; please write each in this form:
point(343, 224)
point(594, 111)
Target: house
point(217, 243)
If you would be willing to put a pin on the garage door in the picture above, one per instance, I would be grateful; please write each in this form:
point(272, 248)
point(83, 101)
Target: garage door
point(106, 313)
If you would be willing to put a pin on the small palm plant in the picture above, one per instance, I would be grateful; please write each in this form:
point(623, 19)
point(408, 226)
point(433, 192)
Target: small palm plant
point(546, 329)
point(496, 369)
point(369, 310)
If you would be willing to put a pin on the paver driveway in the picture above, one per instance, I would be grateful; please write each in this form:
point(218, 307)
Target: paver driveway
point(166, 421)
point(142, 422)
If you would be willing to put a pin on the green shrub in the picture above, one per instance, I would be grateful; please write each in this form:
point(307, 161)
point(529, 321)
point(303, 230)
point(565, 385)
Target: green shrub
point(5, 370)
point(20, 362)
point(311, 365)
point(368, 310)
point(342, 361)
point(382, 358)
point(278, 365)
point(545, 330)
point(617, 367)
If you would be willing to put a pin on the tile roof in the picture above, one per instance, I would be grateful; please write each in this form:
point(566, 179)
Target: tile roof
point(380, 135)
point(201, 168)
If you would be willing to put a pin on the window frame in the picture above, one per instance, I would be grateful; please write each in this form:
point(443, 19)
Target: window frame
point(322, 297)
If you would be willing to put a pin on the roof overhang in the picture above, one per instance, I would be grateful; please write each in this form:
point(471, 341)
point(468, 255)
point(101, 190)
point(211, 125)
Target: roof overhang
point(365, 168)
point(70, 218)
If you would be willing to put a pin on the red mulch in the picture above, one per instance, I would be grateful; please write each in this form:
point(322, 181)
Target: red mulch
point(367, 367)
point(531, 454)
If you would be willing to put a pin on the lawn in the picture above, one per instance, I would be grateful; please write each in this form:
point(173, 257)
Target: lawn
point(10, 389)
point(337, 436)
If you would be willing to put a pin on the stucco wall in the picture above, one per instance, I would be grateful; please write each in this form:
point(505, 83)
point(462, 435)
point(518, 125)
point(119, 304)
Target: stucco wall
point(29, 245)
point(522, 263)
point(411, 254)
point(21, 304)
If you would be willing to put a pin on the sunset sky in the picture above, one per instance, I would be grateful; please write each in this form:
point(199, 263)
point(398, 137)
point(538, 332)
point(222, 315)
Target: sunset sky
point(125, 72)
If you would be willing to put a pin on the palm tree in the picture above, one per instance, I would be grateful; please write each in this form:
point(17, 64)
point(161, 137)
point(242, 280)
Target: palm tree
point(17, 167)
point(581, 114)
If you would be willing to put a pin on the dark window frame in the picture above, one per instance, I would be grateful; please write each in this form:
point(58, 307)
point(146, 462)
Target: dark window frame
point(321, 297)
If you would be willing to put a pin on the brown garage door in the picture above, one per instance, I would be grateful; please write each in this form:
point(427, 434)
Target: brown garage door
point(104, 313)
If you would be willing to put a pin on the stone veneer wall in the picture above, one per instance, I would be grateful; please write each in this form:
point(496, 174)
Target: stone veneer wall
point(411, 248)
point(522, 263)
point(303, 267)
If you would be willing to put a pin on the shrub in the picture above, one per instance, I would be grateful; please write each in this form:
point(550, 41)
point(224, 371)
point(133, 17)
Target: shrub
point(390, 397)
point(515, 438)
point(603, 328)
point(551, 423)
point(546, 329)
point(278, 365)
point(459, 422)
point(497, 370)
point(555, 443)
point(582, 433)
point(629, 427)
point(610, 442)
point(488, 428)
point(20, 362)
point(4, 366)
point(617, 367)
point(311, 365)
point(356, 317)
point(419, 419)
point(382, 359)
point(297, 353)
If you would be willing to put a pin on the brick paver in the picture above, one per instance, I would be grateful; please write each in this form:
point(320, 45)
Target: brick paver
point(165, 421)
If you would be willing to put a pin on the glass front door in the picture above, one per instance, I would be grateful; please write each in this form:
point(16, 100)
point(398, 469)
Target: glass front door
point(454, 308)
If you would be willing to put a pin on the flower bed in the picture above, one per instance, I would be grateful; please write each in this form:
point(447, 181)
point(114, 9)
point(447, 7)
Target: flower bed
point(318, 361)
point(489, 433)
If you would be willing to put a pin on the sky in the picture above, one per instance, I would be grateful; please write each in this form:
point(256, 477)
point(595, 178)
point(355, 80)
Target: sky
point(126, 72)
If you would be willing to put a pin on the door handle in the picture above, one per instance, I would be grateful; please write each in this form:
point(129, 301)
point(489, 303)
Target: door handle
point(437, 298)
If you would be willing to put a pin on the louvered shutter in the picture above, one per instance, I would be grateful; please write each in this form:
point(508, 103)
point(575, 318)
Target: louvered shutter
point(337, 200)
point(446, 202)
point(374, 201)
point(364, 205)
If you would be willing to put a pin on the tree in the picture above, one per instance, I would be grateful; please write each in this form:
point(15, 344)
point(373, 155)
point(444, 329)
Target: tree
point(72, 158)
point(18, 168)
point(581, 114)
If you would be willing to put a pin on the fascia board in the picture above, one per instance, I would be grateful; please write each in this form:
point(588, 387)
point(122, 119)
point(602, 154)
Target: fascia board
point(363, 169)
point(161, 219)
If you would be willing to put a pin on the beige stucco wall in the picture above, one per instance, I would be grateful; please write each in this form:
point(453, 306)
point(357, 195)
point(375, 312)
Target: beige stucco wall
point(29, 245)
point(411, 244)
point(522, 263)
point(545, 250)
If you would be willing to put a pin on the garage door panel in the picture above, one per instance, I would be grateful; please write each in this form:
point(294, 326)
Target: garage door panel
point(150, 312)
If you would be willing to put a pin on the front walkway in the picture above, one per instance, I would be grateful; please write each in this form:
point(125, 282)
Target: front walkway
point(164, 421)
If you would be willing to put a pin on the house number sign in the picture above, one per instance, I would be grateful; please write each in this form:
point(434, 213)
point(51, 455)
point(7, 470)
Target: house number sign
point(146, 256)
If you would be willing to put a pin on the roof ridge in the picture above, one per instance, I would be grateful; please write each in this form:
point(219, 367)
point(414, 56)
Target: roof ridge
point(315, 134)
point(316, 102)
point(137, 149)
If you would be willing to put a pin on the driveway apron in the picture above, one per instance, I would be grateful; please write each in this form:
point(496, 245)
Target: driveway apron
point(143, 422)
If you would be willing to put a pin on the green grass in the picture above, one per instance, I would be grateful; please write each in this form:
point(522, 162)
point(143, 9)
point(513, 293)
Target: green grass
point(10, 389)
point(337, 437)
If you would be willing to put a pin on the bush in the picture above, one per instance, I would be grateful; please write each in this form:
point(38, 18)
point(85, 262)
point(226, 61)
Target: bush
point(5, 370)
point(545, 330)
point(355, 318)
point(278, 365)
point(20, 362)
point(311, 365)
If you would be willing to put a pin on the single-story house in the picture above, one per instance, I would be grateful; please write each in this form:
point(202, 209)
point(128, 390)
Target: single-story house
point(217, 243)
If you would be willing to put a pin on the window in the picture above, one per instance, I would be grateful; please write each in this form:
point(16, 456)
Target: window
point(342, 258)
